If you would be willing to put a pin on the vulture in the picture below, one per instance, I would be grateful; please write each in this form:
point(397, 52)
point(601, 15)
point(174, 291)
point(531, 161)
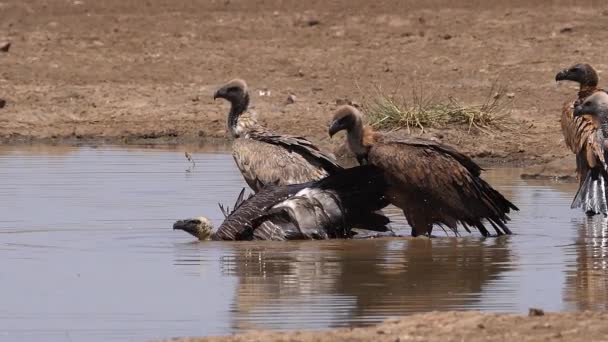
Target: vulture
point(591, 195)
point(579, 131)
point(265, 157)
point(432, 183)
point(325, 209)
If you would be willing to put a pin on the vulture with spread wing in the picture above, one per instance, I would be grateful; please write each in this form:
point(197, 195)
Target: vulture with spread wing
point(265, 157)
point(592, 195)
point(432, 183)
point(325, 209)
point(579, 131)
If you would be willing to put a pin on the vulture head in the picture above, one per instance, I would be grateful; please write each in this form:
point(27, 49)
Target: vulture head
point(595, 105)
point(345, 118)
point(199, 227)
point(234, 91)
point(584, 74)
point(350, 119)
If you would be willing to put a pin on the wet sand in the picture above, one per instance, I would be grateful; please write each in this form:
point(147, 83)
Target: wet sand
point(469, 326)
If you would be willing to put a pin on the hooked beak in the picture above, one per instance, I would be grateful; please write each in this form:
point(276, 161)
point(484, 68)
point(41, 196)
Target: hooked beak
point(179, 224)
point(334, 128)
point(562, 75)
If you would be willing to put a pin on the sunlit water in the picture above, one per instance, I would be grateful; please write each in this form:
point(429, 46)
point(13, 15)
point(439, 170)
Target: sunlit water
point(87, 253)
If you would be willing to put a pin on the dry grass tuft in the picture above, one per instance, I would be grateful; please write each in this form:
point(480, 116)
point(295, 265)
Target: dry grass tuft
point(391, 111)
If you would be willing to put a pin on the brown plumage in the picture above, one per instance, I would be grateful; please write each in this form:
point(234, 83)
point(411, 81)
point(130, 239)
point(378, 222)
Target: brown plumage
point(580, 134)
point(578, 131)
point(592, 195)
point(265, 157)
point(432, 183)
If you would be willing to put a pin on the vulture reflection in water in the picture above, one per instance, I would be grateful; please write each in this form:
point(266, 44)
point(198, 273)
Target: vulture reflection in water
point(432, 183)
point(579, 134)
point(324, 209)
point(591, 194)
point(265, 157)
point(363, 282)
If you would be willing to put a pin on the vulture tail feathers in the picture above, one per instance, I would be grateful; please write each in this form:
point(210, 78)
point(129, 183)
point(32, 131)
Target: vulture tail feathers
point(591, 195)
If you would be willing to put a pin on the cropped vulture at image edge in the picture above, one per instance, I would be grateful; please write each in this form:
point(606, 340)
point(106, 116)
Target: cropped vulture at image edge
point(432, 183)
point(325, 209)
point(264, 157)
point(592, 195)
point(580, 135)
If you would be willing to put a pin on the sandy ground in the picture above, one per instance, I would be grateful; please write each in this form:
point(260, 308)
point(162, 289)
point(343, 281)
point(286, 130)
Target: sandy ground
point(450, 326)
point(133, 71)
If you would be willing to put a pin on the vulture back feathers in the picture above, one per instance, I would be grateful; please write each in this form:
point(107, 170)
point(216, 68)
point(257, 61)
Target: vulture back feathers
point(432, 183)
point(265, 157)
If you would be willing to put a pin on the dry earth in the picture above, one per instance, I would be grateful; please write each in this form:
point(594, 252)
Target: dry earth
point(130, 70)
point(447, 327)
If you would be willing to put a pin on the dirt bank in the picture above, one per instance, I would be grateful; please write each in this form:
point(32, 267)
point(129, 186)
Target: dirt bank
point(125, 71)
point(451, 326)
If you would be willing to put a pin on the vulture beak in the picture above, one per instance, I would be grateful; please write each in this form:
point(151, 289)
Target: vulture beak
point(220, 93)
point(178, 225)
point(335, 127)
point(562, 75)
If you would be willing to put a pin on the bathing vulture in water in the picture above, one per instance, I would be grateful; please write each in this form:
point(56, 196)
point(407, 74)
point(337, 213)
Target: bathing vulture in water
point(592, 195)
point(432, 183)
point(325, 209)
point(264, 157)
point(578, 130)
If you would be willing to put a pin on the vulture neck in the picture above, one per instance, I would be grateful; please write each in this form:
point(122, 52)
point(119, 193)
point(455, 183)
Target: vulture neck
point(237, 108)
point(586, 90)
point(359, 139)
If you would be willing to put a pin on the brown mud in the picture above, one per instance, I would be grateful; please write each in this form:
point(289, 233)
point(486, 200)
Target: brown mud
point(130, 72)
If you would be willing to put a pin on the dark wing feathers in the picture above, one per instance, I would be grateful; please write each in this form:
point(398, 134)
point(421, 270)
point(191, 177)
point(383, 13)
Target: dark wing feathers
point(238, 224)
point(435, 184)
point(463, 159)
point(239, 200)
point(324, 209)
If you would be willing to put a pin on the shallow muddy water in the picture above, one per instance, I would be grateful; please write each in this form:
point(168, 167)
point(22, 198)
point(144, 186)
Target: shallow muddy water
point(87, 253)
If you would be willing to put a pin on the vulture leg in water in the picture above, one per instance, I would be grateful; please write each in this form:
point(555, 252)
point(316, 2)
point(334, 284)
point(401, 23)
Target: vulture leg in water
point(580, 131)
point(325, 209)
point(592, 195)
point(265, 157)
point(432, 183)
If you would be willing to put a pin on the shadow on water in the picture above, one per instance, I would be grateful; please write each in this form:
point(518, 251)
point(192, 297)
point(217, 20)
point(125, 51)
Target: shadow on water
point(88, 254)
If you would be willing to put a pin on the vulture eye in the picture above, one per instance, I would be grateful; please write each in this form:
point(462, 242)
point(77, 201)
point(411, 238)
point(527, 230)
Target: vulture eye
point(232, 89)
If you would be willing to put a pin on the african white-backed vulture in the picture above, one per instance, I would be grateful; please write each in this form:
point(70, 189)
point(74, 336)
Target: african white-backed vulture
point(264, 157)
point(432, 183)
point(576, 130)
point(579, 131)
point(325, 209)
point(592, 195)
